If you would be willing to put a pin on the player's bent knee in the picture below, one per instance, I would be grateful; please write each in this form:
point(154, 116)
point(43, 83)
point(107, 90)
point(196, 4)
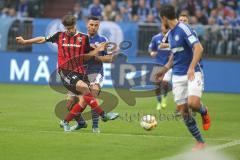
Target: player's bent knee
point(194, 102)
point(95, 89)
point(182, 108)
point(82, 87)
point(82, 101)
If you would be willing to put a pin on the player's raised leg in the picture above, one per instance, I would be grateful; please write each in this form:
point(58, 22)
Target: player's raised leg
point(191, 124)
point(73, 99)
point(90, 100)
point(81, 123)
point(95, 117)
point(86, 97)
point(195, 89)
point(196, 105)
point(180, 92)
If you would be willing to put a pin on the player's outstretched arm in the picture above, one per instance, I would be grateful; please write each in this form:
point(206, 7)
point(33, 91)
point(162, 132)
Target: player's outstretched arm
point(111, 53)
point(23, 41)
point(197, 55)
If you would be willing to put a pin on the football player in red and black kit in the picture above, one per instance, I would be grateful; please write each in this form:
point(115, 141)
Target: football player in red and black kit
point(73, 50)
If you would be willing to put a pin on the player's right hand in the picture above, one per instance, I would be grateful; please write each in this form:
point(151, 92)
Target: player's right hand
point(153, 54)
point(163, 45)
point(190, 74)
point(20, 40)
point(159, 76)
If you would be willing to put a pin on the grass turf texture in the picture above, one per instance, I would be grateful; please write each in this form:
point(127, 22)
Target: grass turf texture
point(29, 129)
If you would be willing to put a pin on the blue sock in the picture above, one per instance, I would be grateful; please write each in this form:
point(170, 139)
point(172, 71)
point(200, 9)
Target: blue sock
point(164, 91)
point(81, 120)
point(202, 110)
point(95, 119)
point(159, 98)
point(192, 127)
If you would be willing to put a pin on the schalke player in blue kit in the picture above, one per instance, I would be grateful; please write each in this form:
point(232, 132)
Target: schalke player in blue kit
point(187, 79)
point(161, 55)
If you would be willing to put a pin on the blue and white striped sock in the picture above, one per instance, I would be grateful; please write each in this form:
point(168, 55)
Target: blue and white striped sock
point(159, 98)
point(95, 119)
point(202, 110)
point(164, 91)
point(193, 129)
point(81, 120)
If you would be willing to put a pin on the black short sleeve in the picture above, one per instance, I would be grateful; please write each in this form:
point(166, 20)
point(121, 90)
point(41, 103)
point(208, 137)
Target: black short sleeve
point(53, 38)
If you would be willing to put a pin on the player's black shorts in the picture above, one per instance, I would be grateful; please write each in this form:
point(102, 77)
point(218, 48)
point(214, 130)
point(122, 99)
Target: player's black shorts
point(70, 79)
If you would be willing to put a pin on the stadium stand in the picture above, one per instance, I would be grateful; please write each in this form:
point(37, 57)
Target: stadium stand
point(218, 19)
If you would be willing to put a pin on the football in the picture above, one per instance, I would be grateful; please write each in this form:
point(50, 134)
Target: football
point(148, 122)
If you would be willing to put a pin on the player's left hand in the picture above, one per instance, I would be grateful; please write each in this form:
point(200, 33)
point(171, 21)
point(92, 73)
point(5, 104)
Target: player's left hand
point(93, 46)
point(112, 48)
point(190, 74)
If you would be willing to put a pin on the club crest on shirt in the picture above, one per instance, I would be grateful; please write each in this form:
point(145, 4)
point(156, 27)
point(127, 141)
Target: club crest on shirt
point(79, 39)
point(159, 43)
point(176, 38)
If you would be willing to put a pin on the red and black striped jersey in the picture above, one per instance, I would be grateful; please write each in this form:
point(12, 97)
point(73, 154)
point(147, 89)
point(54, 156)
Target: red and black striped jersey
point(71, 50)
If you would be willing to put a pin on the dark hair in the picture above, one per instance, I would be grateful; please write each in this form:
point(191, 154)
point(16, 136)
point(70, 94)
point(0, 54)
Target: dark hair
point(183, 15)
point(94, 18)
point(168, 11)
point(69, 20)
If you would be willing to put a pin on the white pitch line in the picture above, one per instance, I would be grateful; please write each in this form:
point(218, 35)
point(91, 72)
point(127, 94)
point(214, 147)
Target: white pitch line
point(115, 134)
point(205, 151)
point(224, 146)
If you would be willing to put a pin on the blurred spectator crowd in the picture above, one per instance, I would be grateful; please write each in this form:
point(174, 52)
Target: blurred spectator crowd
point(20, 8)
point(217, 22)
point(206, 12)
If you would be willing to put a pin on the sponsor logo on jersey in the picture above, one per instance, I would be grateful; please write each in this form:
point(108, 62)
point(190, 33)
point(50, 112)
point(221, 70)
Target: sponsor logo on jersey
point(79, 39)
point(71, 45)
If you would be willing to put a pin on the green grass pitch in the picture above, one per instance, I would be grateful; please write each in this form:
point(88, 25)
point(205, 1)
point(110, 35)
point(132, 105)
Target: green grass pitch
point(29, 129)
